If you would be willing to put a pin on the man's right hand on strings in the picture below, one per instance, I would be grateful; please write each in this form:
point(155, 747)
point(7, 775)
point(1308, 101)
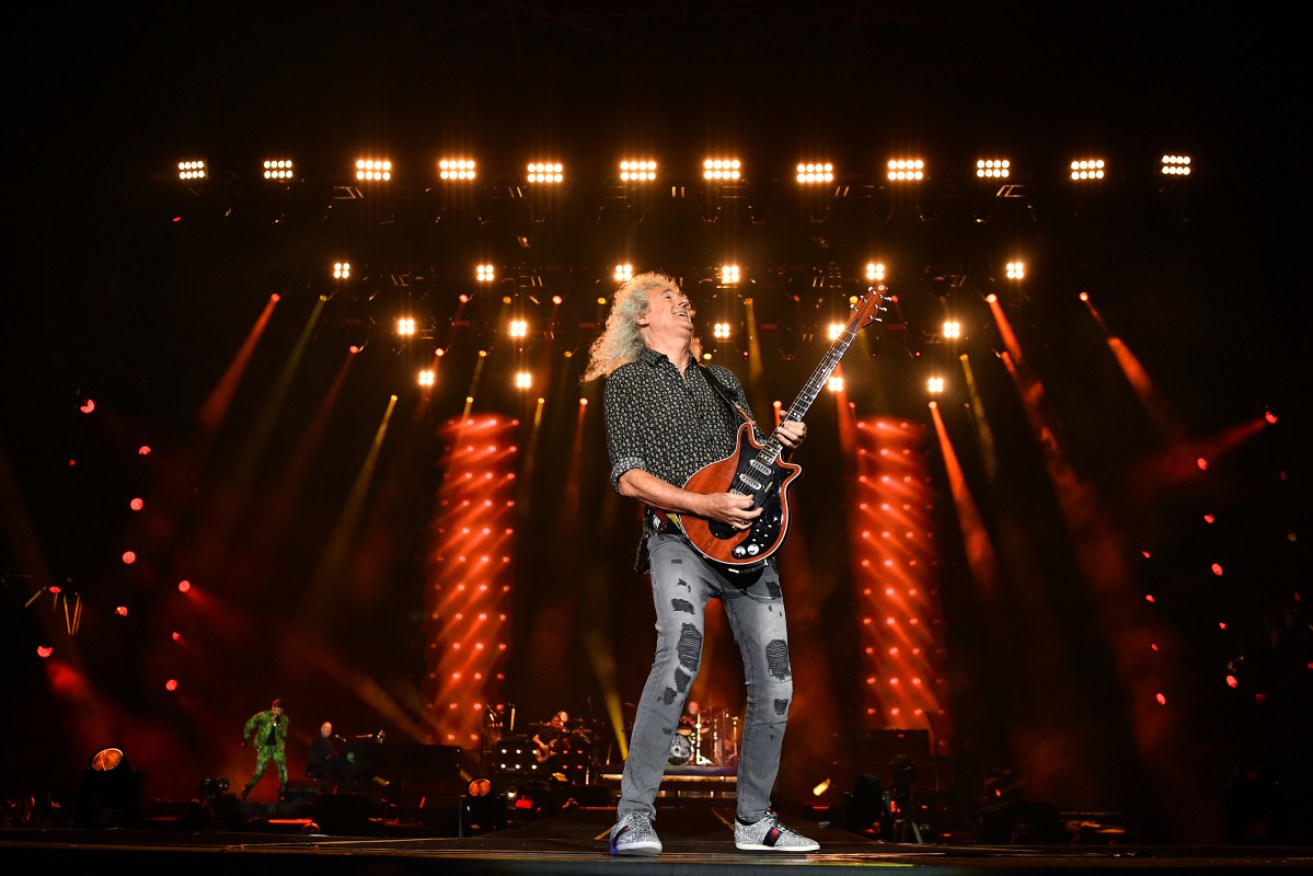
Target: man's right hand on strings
point(729, 508)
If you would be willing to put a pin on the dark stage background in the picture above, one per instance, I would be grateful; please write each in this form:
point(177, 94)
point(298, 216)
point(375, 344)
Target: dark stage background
point(109, 298)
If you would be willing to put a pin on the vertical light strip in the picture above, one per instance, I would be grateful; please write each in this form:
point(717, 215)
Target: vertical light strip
point(896, 587)
point(467, 592)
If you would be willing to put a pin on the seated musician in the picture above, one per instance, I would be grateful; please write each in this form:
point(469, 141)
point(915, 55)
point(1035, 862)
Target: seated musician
point(333, 770)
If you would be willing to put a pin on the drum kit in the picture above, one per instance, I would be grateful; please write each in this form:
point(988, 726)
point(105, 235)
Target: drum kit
point(706, 738)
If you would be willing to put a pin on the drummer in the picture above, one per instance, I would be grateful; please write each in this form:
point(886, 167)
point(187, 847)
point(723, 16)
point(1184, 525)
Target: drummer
point(688, 722)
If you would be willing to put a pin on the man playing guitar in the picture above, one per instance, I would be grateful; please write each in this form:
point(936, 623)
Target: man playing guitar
point(551, 739)
point(667, 417)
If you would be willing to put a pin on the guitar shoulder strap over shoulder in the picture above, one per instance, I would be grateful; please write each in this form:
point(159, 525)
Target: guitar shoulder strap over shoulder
point(725, 394)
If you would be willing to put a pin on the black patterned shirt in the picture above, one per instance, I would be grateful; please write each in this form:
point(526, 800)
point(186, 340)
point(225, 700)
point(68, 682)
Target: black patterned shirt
point(667, 424)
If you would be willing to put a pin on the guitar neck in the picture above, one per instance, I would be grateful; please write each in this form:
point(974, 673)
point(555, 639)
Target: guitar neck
point(772, 448)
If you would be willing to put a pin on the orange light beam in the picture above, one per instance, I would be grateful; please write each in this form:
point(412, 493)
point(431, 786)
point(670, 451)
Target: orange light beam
point(216, 406)
point(180, 475)
point(980, 552)
point(225, 513)
point(1097, 541)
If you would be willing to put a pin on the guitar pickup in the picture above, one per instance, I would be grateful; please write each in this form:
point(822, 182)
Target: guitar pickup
point(760, 466)
point(749, 481)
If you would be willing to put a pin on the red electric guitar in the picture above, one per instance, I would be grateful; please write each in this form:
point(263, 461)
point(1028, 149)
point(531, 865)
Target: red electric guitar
point(756, 470)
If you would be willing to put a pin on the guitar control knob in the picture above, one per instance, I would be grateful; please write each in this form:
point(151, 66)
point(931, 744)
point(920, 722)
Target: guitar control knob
point(739, 552)
point(754, 549)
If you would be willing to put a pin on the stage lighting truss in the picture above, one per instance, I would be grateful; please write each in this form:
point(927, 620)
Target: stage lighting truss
point(1176, 165)
point(905, 170)
point(456, 169)
point(192, 170)
point(1088, 169)
point(545, 172)
point(278, 169)
point(722, 169)
point(373, 170)
point(814, 172)
point(640, 171)
point(993, 168)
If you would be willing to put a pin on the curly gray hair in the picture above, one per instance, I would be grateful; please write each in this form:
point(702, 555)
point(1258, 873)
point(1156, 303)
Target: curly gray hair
point(621, 340)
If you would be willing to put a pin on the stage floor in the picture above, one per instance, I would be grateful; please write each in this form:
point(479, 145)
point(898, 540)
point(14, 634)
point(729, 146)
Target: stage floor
point(697, 839)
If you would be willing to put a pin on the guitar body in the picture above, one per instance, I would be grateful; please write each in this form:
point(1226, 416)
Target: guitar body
point(740, 473)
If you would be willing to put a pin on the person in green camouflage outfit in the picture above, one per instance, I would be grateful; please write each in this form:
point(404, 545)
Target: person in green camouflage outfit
point(267, 731)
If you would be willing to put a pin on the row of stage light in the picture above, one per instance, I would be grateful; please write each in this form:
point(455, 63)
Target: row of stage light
point(638, 172)
point(406, 328)
point(726, 275)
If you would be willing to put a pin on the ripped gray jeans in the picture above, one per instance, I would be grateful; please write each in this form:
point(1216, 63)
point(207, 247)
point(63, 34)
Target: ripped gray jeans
point(682, 585)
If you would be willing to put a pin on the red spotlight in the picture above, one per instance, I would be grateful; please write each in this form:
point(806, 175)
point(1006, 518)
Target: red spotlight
point(1208, 518)
point(143, 450)
point(1231, 681)
point(176, 636)
point(1085, 296)
point(88, 406)
point(129, 557)
point(1270, 417)
point(171, 684)
point(1162, 700)
point(275, 297)
point(136, 504)
point(44, 651)
point(1217, 569)
point(353, 349)
point(121, 611)
point(184, 585)
point(1202, 463)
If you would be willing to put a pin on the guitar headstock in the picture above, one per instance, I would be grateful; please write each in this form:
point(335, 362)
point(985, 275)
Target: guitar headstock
point(869, 307)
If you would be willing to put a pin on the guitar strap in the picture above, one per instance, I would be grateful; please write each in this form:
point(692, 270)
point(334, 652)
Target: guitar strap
point(725, 394)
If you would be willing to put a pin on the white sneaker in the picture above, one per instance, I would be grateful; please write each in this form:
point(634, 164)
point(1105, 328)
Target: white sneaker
point(633, 835)
point(768, 835)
